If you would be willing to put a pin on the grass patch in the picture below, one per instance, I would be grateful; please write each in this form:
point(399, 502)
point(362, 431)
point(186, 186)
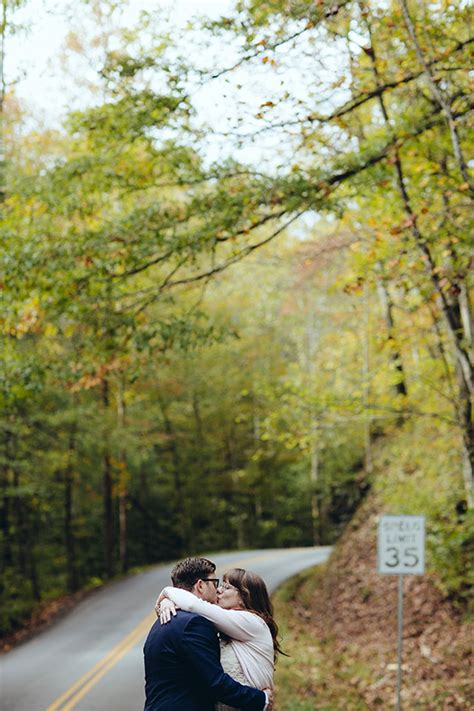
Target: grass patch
point(313, 677)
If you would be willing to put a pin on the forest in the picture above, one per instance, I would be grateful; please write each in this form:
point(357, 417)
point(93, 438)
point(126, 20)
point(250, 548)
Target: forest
point(233, 281)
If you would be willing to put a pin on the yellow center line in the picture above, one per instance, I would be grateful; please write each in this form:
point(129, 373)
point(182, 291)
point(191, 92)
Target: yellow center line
point(90, 678)
point(112, 662)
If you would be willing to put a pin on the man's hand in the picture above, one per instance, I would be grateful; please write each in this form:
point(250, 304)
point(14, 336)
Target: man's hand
point(269, 705)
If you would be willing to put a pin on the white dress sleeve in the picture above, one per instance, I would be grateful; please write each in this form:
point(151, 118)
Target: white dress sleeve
point(236, 624)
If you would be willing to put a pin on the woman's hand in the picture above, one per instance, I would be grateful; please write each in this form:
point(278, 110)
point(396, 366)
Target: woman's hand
point(269, 704)
point(165, 609)
point(158, 602)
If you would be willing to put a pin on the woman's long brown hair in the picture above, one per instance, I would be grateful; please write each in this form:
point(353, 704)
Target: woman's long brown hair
point(255, 598)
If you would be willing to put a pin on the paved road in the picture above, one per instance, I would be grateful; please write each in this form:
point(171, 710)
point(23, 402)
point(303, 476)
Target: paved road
point(91, 660)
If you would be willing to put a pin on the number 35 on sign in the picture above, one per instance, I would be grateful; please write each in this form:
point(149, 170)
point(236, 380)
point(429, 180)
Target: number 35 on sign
point(401, 545)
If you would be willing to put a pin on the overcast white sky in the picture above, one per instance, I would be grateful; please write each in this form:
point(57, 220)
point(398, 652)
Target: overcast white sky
point(32, 54)
point(229, 104)
point(48, 92)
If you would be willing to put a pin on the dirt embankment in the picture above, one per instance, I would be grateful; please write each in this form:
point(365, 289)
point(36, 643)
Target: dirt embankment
point(355, 611)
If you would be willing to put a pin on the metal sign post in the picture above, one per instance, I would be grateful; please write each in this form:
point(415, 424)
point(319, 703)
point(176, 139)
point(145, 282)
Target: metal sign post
point(401, 551)
point(399, 641)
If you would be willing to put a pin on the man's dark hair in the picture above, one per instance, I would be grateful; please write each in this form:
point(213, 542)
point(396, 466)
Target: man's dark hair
point(188, 571)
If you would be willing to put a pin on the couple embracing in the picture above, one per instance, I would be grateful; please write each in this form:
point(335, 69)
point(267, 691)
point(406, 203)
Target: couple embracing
point(213, 646)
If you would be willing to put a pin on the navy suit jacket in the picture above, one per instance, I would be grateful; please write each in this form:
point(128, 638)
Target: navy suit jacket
point(183, 671)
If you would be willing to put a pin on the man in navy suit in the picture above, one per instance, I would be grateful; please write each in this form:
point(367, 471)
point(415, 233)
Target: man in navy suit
point(182, 659)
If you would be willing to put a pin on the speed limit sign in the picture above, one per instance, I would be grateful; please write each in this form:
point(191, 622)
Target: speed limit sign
point(401, 545)
point(401, 551)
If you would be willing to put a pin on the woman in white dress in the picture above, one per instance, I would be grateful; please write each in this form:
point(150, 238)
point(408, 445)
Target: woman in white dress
point(244, 618)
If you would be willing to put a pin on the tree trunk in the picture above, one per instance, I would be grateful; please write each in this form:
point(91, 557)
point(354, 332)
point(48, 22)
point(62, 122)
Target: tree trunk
point(123, 484)
point(439, 97)
point(316, 523)
point(180, 509)
point(26, 554)
point(33, 571)
point(365, 338)
point(146, 523)
point(7, 555)
point(107, 489)
point(443, 356)
point(464, 416)
point(451, 309)
point(123, 525)
point(466, 311)
point(21, 532)
point(69, 539)
point(395, 355)
point(200, 440)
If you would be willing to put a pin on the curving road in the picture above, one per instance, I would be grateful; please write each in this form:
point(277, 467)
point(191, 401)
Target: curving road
point(91, 660)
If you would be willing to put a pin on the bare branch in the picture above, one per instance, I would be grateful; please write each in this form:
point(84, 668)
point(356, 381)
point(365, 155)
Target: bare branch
point(330, 12)
point(360, 99)
point(239, 256)
point(206, 275)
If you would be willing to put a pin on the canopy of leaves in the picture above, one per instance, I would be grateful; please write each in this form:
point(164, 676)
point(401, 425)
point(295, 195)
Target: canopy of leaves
point(162, 395)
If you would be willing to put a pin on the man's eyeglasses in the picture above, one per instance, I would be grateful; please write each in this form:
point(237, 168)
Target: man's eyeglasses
point(215, 581)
